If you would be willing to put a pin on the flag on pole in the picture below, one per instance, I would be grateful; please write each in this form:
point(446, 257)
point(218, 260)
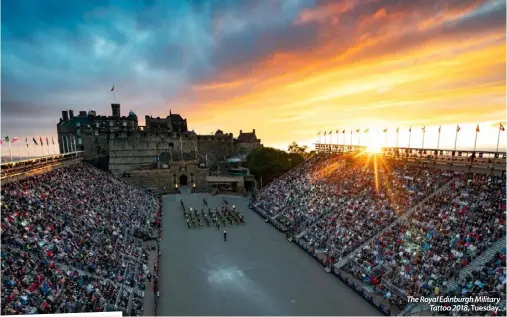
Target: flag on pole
point(358, 131)
point(4, 139)
point(14, 139)
point(26, 141)
point(385, 130)
point(501, 127)
point(477, 129)
point(410, 129)
point(424, 129)
point(318, 133)
point(53, 140)
point(325, 132)
point(47, 141)
point(397, 129)
point(343, 131)
point(112, 89)
point(458, 128)
point(366, 131)
point(41, 143)
point(330, 132)
point(440, 127)
point(337, 131)
point(35, 141)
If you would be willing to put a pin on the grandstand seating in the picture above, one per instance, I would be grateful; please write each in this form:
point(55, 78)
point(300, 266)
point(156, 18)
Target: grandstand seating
point(68, 242)
point(340, 202)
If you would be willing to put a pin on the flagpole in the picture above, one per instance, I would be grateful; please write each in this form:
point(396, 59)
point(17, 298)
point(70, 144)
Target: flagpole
point(409, 136)
point(476, 134)
point(424, 132)
point(385, 139)
point(455, 143)
point(54, 147)
point(28, 149)
point(359, 138)
point(397, 135)
point(497, 144)
point(10, 153)
point(351, 138)
point(438, 141)
point(19, 150)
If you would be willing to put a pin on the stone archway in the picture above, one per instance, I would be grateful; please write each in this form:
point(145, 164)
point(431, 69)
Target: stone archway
point(183, 180)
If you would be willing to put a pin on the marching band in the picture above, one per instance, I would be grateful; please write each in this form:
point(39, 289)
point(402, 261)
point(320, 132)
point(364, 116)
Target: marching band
point(216, 217)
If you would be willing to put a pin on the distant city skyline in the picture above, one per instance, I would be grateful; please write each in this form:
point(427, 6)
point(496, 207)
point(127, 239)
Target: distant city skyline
point(288, 69)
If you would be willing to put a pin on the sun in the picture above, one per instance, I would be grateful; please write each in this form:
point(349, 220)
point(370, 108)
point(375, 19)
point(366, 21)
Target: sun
point(374, 147)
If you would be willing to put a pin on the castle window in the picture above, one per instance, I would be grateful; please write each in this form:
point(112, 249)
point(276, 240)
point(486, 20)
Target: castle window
point(124, 123)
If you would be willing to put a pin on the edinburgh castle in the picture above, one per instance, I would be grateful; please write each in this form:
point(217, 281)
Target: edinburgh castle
point(119, 144)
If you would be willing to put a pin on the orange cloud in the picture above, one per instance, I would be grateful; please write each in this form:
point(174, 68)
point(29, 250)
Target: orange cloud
point(320, 14)
point(450, 14)
point(219, 86)
point(399, 75)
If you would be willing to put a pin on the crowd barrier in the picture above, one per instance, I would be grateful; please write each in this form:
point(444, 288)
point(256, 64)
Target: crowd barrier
point(273, 222)
point(157, 260)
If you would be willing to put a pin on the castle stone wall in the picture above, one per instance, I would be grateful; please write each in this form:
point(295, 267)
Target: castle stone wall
point(163, 180)
point(131, 150)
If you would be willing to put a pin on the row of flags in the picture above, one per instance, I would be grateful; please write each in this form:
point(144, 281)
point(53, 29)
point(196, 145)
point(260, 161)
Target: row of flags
point(458, 128)
point(8, 140)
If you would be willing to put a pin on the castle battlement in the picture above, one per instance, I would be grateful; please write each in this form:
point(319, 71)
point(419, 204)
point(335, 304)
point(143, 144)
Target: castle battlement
point(121, 144)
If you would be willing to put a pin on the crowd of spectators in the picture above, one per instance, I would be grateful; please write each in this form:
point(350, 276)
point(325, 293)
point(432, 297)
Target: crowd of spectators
point(341, 202)
point(345, 201)
point(68, 242)
point(420, 254)
point(489, 280)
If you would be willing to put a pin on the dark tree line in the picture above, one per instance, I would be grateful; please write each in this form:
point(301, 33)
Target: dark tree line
point(270, 163)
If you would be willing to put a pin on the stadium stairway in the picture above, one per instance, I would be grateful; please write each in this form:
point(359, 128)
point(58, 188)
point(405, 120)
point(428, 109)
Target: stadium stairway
point(416, 309)
point(343, 261)
point(479, 261)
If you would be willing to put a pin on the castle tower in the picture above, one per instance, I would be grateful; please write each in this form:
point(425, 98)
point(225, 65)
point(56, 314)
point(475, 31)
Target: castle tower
point(115, 107)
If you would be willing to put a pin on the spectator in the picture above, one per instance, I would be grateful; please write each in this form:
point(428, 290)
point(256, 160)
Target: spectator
point(68, 244)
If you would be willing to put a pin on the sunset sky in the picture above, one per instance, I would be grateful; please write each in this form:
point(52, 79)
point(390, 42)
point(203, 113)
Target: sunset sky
point(289, 68)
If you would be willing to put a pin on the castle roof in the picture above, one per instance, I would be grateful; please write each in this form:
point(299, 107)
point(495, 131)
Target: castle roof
point(73, 122)
point(175, 117)
point(247, 137)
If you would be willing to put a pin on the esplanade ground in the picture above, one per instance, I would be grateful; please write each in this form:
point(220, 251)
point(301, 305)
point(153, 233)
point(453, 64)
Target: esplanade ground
point(256, 272)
